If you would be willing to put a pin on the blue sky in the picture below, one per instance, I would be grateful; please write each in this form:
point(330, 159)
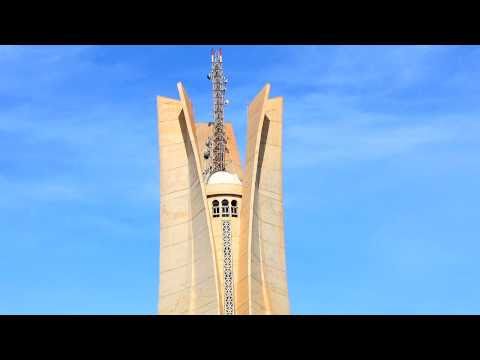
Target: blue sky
point(381, 173)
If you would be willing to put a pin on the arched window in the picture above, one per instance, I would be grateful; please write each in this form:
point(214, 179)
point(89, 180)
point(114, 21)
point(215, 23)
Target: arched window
point(224, 208)
point(234, 208)
point(216, 208)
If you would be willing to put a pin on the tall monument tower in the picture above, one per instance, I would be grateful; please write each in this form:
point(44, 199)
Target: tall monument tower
point(221, 225)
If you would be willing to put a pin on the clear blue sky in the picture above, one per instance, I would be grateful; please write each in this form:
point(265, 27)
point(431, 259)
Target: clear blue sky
point(381, 173)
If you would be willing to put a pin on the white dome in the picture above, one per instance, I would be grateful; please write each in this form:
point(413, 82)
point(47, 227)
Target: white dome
point(223, 177)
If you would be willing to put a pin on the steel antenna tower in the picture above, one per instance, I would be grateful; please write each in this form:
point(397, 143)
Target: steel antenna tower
point(217, 145)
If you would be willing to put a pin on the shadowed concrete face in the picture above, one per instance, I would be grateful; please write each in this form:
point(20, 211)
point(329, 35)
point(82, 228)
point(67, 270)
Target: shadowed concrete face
point(194, 275)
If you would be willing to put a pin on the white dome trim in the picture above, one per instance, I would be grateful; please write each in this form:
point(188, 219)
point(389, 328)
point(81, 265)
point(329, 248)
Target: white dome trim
point(223, 177)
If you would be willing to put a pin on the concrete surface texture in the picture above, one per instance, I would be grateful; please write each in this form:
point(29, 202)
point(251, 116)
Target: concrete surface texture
point(196, 276)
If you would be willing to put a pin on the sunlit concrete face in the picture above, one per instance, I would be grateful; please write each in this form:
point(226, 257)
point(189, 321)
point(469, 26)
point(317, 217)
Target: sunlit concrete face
point(200, 216)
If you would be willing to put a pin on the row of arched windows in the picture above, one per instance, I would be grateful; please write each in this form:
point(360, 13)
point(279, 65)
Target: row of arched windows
point(227, 209)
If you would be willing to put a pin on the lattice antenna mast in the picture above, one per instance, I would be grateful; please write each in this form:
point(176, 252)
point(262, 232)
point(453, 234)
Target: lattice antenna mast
point(218, 143)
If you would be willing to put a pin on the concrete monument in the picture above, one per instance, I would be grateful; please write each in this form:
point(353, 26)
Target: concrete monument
point(222, 245)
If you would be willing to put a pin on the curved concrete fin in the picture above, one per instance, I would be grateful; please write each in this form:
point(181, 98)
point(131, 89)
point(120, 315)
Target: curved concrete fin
point(271, 261)
point(256, 115)
point(188, 277)
point(206, 286)
point(263, 270)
